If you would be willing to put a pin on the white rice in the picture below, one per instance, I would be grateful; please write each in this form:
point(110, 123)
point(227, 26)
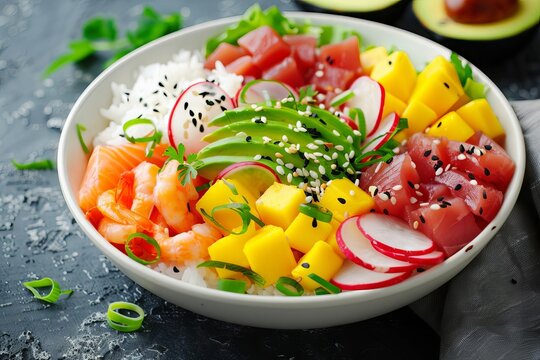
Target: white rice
point(154, 92)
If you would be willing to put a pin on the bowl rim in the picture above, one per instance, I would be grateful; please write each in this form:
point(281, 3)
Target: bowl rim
point(346, 297)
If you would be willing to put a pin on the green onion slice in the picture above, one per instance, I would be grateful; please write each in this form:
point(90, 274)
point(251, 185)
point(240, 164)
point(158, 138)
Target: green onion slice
point(231, 285)
point(325, 284)
point(317, 212)
point(148, 240)
point(265, 92)
point(342, 98)
point(289, 287)
point(53, 295)
point(250, 274)
point(358, 116)
point(243, 210)
point(152, 139)
point(80, 129)
point(321, 291)
point(44, 164)
point(122, 322)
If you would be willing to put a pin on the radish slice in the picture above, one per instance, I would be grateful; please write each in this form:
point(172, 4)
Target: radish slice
point(369, 97)
point(354, 277)
point(194, 108)
point(264, 92)
point(255, 175)
point(383, 133)
point(357, 248)
point(431, 258)
point(393, 234)
point(350, 122)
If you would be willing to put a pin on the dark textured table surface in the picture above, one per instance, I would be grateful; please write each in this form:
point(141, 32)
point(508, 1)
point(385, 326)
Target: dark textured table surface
point(38, 236)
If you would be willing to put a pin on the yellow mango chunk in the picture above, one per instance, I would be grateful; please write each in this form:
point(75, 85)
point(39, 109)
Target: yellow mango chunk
point(392, 104)
point(305, 231)
point(480, 116)
point(419, 117)
point(451, 126)
point(332, 241)
point(370, 57)
point(463, 99)
point(436, 65)
point(279, 204)
point(269, 254)
point(438, 92)
point(344, 199)
point(320, 260)
point(397, 74)
point(230, 249)
point(225, 192)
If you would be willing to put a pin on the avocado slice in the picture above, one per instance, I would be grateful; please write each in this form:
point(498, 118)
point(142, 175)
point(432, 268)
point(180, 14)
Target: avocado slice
point(479, 42)
point(386, 11)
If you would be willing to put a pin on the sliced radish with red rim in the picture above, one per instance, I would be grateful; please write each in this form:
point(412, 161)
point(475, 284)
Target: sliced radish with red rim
point(385, 131)
point(264, 92)
point(369, 97)
point(194, 108)
point(355, 277)
point(431, 258)
point(256, 176)
point(357, 248)
point(394, 235)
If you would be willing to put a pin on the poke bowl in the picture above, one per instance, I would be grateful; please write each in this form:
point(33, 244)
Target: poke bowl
point(260, 307)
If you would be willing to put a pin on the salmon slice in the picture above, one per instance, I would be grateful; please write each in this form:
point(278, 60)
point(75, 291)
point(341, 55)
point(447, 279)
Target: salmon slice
point(107, 163)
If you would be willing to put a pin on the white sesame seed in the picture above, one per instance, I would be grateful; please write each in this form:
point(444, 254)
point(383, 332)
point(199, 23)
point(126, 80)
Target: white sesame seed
point(280, 170)
point(257, 157)
point(258, 108)
point(313, 174)
point(372, 189)
point(309, 199)
point(279, 155)
point(393, 200)
point(290, 126)
point(334, 156)
point(447, 167)
point(436, 141)
point(302, 129)
point(347, 156)
point(350, 171)
point(415, 225)
point(356, 132)
point(383, 196)
point(424, 204)
point(322, 106)
point(416, 186)
point(319, 73)
point(290, 99)
point(253, 106)
point(305, 172)
point(378, 167)
point(419, 193)
point(281, 144)
point(478, 152)
point(397, 188)
point(289, 166)
point(298, 171)
point(335, 132)
point(461, 157)
point(279, 161)
point(327, 158)
point(435, 207)
point(352, 192)
point(345, 164)
point(322, 170)
point(278, 105)
point(328, 183)
point(439, 171)
point(339, 147)
point(266, 139)
point(312, 146)
point(357, 182)
point(351, 154)
point(263, 119)
point(413, 200)
point(289, 178)
point(412, 164)
point(333, 166)
point(349, 139)
point(396, 151)
point(474, 182)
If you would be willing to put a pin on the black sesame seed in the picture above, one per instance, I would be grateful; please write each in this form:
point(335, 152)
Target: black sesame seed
point(390, 63)
point(326, 148)
point(185, 105)
point(199, 115)
point(469, 248)
point(305, 265)
point(493, 228)
point(322, 121)
point(471, 176)
point(155, 110)
point(440, 198)
point(420, 270)
point(385, 211)
point(314, 223)
point(194, 121)
point(306, 162)
point(411, 185)
point(427, 153)
point(188, 207)
point(218, 101)
point(422, 219)
point(175, 86)
point(175, 269)
point(487, 172)
point(434, 158)
point(248, 138)
point(161, 84)
point(165, 76)
point(443, 206)
point(439, 124)
point(481, 210)
point(191, 113)
point(446, 203)
point(276, 142)
point(484, 194)
point(458, 187)
point(341, 200)
point(223, 108)
point(389, 161)
point(209, 102)
point(446, 86)
point(140, 99)
point(325, 177)
point(513, 281)
point(488, 147)
point(372, 210)
point(461, 148)
point(165, 94)
point(222, 97)
point(155, 92)
point(201, 128)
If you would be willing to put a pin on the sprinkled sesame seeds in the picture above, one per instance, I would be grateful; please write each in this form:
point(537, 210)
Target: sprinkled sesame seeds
point(458, 187)
point(413, 165)
point(461, 157)
point(424, 204)
point(413, 200)
point(319, 73)
point(427, 153)
point(312, 146)
point(309, 199)
point(383, 196)
point(289, 166)
point(349, 139)
point(422, 219)
point(474, 182)
point(279, 161)
point(335, 132)
point(486, 172)
point(439, 171)
point(419, 193)
point(280, 170)
point(488, 147)
point(435, 207)
point(415, 225)
point(257, 157)
point(289, 177)
point(373, 190)
point(352, 193)
point(322, 170)
point(397, 188)
point(436, 141)
point(313, 174)
point(393, 200)
point(410, 183)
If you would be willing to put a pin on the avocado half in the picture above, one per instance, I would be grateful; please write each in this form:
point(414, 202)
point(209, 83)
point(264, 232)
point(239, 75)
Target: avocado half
point(385, 11)
point(482, 43)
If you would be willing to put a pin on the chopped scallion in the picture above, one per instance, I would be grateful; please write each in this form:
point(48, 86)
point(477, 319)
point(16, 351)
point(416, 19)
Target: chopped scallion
point(317, 212)
point(53, 295)
point(44, 164)
point(342, 98)
point(289, 287)
point(122, 322)
point(243, 210)
point(250, 274)
point(80, 129)
point(152, 139)
point(231, 285)
point(149, 240)
point(325, 284)
point(321, 291)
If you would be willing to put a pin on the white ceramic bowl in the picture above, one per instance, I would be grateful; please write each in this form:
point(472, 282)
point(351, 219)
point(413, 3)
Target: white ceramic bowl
point(267, 311)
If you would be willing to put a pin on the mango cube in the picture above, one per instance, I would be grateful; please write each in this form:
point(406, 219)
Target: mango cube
point(451, 126)
point(320, 260)
point(269, 254)
point(344, 199)
point(332, 241)
point(279, 204)
point(305, 231)
point(231, 249)
point(439, 64)
point(419, 116)
point(392, 104)
point(225, 192)
point(480, 116)
point(397, 74)
point(438, 92)
point(370, 57)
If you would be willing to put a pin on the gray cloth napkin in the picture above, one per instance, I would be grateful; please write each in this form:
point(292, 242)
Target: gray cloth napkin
point(491, 310)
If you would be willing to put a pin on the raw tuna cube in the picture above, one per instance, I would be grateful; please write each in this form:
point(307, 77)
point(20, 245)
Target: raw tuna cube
point(429, 155)
point(450, 227)
point(393, 184)
point(344, 54)
point(303, 48)
point(483, 201)
point(265, 45)
point(434, 192)
point(244, 66)
point(286, 72)
point(226, 53)
point(328, 78)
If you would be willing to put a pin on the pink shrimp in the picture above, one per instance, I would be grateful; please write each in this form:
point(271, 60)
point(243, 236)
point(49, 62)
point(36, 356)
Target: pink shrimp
point(144, 181)
point(115, 232)
point(189, 245)
point(172, 198)
point(119, 213)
